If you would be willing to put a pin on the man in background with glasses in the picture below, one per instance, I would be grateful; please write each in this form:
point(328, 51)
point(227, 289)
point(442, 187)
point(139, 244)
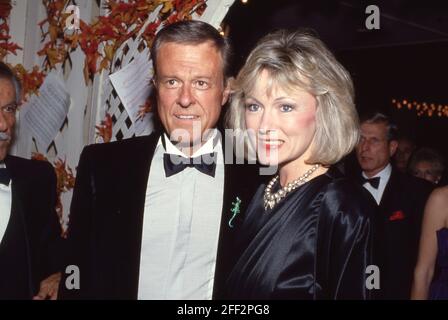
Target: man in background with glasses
point(30, 241)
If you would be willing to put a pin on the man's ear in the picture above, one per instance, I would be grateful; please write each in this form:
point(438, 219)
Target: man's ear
point(393, 145)
point(227, 90)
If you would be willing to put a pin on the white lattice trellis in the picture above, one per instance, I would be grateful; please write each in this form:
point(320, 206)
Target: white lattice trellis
point(122, 124)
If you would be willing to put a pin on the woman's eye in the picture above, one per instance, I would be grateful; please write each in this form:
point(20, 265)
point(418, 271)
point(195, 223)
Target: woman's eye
point(252, 107)
point(286, 108)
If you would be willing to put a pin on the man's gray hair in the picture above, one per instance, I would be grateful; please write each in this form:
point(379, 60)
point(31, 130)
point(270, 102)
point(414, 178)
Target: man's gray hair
point(7, 73)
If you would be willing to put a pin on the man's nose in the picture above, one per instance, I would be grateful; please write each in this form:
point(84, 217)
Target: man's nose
point(186, 97)
point(364, 145)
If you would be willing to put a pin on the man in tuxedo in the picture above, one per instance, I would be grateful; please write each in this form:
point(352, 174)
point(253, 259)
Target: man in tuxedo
point(400, 199)
point(153, 217)
point(30, 241)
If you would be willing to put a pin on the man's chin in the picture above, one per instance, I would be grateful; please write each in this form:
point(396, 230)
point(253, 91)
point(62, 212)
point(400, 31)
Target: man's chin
point(2, 155)
point(188, 144)
point(367, 169)
point(364, 164)
point(4, 147)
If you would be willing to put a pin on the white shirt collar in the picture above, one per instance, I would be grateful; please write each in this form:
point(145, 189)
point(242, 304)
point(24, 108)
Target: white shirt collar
point(383, 174)
point(208, 147)
point(2, 166)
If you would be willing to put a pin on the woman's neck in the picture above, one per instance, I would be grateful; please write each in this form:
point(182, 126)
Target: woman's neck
point(294, 170)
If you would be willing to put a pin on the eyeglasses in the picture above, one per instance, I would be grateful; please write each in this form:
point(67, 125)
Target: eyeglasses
point(10, 108)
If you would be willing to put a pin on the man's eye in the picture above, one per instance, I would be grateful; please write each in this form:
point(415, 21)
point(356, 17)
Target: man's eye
point(201, 84)
point(172, 83)
point(9, 109)
point(286, 108)
point(252, 107)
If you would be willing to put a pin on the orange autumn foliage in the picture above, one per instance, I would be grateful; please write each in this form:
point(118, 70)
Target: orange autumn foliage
point(6, 47)
point(100, 40)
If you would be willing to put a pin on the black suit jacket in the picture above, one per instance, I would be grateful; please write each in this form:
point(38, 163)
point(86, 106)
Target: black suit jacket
point(397, 232)
point(34, 201)
point(106, 218)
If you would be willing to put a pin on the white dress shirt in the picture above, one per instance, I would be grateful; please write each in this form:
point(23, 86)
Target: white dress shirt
point(181, 222)
point(5, 206)
point(384, 176)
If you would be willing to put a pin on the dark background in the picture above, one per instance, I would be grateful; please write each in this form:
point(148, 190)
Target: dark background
point(407, 58)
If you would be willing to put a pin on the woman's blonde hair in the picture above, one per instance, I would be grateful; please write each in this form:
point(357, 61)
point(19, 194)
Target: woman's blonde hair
point(300, 59)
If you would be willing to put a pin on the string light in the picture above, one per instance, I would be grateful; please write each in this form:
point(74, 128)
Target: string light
point(422, 108)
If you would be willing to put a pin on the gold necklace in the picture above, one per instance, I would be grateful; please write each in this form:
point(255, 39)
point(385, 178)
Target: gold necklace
point(272, 199)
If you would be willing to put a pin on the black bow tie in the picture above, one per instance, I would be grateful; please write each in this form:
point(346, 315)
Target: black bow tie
point(174, 163)
point(374, 182)
point(4, 176)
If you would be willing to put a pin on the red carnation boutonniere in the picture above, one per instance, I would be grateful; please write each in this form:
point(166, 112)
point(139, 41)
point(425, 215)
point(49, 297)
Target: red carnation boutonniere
point(397, 215)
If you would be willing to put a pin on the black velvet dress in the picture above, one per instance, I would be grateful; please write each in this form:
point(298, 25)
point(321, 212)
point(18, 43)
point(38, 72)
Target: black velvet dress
point(314, 244)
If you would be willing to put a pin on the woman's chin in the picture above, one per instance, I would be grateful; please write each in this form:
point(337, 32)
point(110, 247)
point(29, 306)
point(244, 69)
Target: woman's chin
point(268, 161)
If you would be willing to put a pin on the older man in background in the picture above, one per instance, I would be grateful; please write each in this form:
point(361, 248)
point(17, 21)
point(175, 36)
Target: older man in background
point(30, 242)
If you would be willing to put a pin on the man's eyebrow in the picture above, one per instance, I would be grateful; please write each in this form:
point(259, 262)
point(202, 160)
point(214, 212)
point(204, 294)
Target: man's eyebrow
point(10, 104)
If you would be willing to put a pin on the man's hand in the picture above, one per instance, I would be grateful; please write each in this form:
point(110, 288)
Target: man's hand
point(49, 287)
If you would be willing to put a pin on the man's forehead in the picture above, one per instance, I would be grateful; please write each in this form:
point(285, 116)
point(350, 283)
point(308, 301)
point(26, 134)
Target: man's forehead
point(7, 90)
point(185, 51)
point(5, 82)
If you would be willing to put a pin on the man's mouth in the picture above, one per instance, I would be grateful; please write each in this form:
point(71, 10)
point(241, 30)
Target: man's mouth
point(186, 116)
point(4, 136)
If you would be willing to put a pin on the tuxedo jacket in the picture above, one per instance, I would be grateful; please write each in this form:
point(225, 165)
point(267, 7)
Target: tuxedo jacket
point(32, 242)
point(397, 232)
point(106, 218)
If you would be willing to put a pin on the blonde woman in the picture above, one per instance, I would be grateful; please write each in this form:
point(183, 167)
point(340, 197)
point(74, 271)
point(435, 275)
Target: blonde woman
point(431, 272)
point(306, 233)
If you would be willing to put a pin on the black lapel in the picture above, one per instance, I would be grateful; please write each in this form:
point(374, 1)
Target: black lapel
point(223, 263)
point(18, 189)
point(131, 183)
point(235, 177)
point(388, 195)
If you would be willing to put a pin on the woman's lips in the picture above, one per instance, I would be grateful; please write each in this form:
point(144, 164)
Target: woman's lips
point(270, 145)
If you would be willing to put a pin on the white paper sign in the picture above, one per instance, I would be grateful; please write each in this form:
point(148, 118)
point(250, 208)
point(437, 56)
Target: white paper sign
point(132, 85)
point(44, 114)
